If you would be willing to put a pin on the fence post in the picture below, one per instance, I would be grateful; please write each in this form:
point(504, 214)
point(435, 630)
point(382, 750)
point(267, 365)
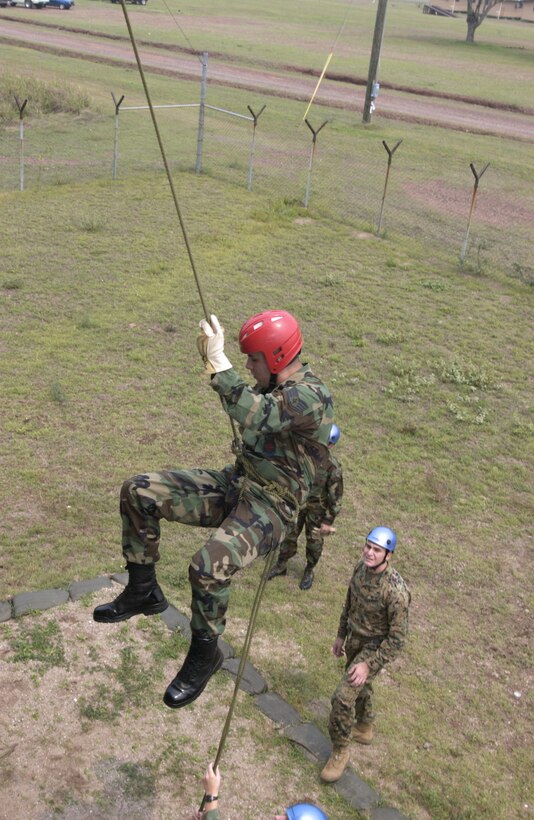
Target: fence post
point(312, 154)
point(478, 177)
point(390, 151)
point(116, 140)
point(200, 137)
point(21, 107)
point(255, 117)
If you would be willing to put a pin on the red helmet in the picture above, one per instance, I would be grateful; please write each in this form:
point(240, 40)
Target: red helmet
point(276, 334)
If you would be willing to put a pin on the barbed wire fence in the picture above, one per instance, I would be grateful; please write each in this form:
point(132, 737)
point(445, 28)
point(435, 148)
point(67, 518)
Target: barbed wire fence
point(320, 165)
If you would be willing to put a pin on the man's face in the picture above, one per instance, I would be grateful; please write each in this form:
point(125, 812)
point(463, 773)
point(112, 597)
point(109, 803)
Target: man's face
point(258, 367)
point(373, 556)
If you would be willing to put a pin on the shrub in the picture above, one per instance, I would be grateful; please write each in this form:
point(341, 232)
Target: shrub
point(43, 97)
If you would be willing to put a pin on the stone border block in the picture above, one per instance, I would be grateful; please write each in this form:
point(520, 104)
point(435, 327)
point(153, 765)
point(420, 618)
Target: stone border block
point(45, 599)
point(251, 682)
point(174, 619)
point(386, 813)
point(311, 739)
point(6, 611)
point(80, 588)
point(120, 578)
point(356, 792)
point(277, 709)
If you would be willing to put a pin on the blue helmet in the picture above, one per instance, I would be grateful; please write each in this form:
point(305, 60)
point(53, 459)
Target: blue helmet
point(383, 537)
point(305, 811)
point(335, 433)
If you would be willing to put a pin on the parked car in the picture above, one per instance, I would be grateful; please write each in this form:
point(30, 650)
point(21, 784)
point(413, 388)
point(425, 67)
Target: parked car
point(60, 4)
point(29, 4)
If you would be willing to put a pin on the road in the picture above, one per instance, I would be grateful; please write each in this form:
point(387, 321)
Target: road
point(285, 82)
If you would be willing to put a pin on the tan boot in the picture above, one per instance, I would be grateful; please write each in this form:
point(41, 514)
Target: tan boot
point(362, 733)
point(336, 765)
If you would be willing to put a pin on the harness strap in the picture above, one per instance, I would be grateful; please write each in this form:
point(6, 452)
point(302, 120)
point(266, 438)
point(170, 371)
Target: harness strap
point(270, 487)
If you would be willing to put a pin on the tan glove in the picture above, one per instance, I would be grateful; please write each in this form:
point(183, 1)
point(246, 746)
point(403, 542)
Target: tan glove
point(210, 343)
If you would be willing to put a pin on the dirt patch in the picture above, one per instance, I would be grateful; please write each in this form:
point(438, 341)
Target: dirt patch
point(84, 731)
point(492, 208)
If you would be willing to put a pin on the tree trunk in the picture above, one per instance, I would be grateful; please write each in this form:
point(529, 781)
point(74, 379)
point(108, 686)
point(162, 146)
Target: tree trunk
point(472, 25)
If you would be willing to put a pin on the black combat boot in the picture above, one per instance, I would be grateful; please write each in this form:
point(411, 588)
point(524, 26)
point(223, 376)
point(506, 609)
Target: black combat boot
point(307, 578)
point(201, 662)
point(141, 596)
point(280, 568)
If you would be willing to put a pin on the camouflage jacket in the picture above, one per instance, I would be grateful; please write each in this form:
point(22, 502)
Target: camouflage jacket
point(285, 433)
point(376, 614)
point(326, 494)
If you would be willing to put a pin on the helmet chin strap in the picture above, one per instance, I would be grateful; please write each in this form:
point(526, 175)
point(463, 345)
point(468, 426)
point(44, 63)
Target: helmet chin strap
point(272, 383)
point(383, 561)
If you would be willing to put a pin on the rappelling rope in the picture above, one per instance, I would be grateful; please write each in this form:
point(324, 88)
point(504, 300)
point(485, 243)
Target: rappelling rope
point(250, 472)
point(164, 158)
point(328, 59)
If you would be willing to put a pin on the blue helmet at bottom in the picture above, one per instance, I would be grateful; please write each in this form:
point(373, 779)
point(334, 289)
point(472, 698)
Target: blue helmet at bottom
point(305, 811)
point(383, 537)
point(335, 433)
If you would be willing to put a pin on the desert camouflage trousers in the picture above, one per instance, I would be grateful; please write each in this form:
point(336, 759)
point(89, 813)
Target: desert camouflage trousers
point(351, 704)
point(249, 524)
point(308, 518)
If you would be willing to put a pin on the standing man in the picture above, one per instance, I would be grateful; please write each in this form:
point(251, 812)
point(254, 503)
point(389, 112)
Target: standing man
point(316, 518)
point(372, 631)
point(285, 421)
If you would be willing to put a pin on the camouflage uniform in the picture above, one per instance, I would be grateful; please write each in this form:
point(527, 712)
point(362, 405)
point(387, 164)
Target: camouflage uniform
point(322, 507)
point(251, 503)
point(374, 624)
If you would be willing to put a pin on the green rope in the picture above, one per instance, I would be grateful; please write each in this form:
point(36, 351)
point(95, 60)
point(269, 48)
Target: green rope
point(274, 488)
point(168, 172)
point(242, 661)
point(164, 158)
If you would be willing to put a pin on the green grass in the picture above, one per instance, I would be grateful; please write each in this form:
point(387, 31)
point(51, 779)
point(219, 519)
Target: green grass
point(41, 644)
point(421, 50)
point(102, 389)
point(431, 369)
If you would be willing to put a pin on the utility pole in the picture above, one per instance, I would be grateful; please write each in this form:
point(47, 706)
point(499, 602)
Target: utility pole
point(370, 93)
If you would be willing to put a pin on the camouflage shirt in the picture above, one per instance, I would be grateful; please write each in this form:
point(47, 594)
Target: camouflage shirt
point(376, 614)
point(285, 433)
point(327, 491)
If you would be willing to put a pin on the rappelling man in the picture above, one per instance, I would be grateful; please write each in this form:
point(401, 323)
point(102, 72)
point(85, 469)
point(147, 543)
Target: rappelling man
point(285, 421)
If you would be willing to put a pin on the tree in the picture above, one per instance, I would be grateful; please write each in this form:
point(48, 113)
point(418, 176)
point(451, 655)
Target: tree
point(477, 11)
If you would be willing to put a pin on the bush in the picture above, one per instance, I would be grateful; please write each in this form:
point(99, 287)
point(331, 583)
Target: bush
point(43, 97)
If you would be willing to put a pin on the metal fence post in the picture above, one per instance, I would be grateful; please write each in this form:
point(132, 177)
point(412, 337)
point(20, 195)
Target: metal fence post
point(255, 117)
point(478, 177)
point(312, 154)
point(21, 107)
point(390, 151)
point(200, 137)
point(116, 140)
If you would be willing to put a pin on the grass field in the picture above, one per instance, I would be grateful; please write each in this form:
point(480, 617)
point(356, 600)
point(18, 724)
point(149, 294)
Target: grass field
point(418, 50)
point(432, 373)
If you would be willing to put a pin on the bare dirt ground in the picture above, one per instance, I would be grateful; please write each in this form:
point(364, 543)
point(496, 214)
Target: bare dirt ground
point(84, 732)
point(447, 113)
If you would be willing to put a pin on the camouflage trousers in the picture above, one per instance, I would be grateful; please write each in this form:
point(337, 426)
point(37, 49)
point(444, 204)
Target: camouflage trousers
point(308, 518)
point(249, 524)
point(351, 704)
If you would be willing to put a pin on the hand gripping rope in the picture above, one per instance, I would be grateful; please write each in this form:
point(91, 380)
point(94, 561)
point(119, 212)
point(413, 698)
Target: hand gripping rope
point(272, 488)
